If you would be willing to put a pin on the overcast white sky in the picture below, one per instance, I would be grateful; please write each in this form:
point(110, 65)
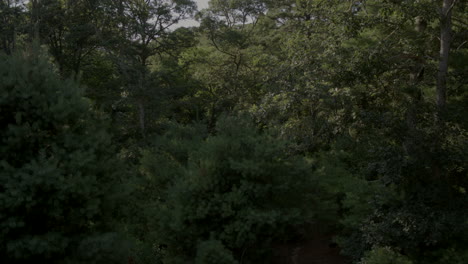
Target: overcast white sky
point(188, 23)
point(202, 4)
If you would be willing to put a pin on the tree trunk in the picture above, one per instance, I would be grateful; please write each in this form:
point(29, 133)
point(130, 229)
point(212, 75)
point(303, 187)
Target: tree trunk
point(141, 116)
point(142, 94)
point(445, 39)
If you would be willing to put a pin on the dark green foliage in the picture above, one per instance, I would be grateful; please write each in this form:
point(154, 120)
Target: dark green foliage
point(384, 256)
point(360, 130)
point(237, 190)
point(213, 252)
point(59, 181)
point(421, 198)
point(12, 18)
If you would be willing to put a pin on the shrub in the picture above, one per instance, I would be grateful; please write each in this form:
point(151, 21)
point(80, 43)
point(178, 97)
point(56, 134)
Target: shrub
point(384, 255)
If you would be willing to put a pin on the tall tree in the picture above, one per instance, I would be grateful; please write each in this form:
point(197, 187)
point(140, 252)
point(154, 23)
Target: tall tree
point(142, 26)
point(68, 28)
point(12, 18)
point(60, 186)
point(445, 41)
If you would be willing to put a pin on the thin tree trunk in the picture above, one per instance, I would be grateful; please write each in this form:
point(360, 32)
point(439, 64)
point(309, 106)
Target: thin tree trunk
point(142, 93)
point(445, 39)
point(141, 116)
point(35, 27)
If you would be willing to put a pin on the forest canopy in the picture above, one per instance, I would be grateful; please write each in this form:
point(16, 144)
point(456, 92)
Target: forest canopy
point(273, 131)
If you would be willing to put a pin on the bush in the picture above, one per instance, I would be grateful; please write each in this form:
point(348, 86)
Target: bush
point(213, 252)
point(384, 255)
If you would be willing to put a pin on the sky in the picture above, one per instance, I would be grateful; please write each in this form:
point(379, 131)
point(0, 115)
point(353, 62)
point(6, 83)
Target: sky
point(202, 4)
point(189, 23)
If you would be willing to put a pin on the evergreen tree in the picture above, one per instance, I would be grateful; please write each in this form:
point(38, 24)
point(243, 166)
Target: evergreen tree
point(230, 196)
point(59, 181)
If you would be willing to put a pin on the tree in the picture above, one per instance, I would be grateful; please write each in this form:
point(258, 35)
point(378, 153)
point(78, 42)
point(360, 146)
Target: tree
point(69, 28)
point(12, 17)
point(342, 94)
point(141, 29)
point(228, 62)
point(445, 40)
point(229, 196)
point(60, 189)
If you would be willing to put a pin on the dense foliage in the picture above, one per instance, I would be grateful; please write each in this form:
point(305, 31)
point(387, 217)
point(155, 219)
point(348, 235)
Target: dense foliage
point(60, 186)
point(269, 124)
point(238, 189)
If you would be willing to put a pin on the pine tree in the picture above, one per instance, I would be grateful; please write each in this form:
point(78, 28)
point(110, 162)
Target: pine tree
point(230, 196)
point(58, 185)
